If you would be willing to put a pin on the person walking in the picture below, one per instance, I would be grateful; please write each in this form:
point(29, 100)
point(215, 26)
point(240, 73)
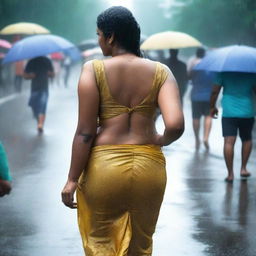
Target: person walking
point(39, 70)
point(66, 66)
point(202, 82)
point(118, 170)
point(238, 115)
point(179, 70)
point(19, 68)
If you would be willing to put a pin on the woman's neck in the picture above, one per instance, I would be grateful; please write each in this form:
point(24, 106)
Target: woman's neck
point(117, 51)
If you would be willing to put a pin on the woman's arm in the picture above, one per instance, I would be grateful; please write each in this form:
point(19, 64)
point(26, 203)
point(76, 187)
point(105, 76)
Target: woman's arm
point(170, 106)
point(85, 133)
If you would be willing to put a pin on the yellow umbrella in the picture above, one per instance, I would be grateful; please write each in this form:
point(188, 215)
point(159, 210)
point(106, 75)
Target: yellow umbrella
point(26, 28)
point(169, 40)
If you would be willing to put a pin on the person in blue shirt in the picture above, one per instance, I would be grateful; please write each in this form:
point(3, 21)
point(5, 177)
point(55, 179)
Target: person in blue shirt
point(202, 82)
point(238, 115)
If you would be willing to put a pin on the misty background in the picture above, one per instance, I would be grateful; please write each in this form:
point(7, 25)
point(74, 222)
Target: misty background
point(214, 23)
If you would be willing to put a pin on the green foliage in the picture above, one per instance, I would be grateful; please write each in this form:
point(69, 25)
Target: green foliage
point(214, 22)
point(218, 22)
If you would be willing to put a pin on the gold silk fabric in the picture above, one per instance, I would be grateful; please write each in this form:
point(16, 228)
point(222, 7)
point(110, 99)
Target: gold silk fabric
point(119, 197)
point(109, 107)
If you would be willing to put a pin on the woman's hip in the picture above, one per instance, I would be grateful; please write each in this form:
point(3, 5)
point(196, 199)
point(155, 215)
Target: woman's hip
point(123, 172)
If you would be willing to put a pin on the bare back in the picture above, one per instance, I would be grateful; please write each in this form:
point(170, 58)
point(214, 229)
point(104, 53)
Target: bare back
point(130, 81)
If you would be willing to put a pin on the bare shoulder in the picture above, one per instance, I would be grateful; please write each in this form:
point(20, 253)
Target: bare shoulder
point(129, 60)
point(87, 77)
point(148, 62)
point(146, 66)
point(88, 65)
point(153, 64)
point(169, 72)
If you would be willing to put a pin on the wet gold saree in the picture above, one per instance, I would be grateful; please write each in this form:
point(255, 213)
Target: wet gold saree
point(119, 198)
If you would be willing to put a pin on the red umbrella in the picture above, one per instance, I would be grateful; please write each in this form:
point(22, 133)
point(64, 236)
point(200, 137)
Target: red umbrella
point(57, 56)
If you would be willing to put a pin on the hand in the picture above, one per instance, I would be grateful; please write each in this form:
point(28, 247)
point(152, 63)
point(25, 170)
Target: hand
point(67, 194)
point(5, 187)
point(214, 112)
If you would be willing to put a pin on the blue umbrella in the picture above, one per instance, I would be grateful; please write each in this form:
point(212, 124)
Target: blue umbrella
point(40, 45)
point(235, 58)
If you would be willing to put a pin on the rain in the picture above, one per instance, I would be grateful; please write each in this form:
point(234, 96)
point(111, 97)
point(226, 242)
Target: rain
point(209, 202)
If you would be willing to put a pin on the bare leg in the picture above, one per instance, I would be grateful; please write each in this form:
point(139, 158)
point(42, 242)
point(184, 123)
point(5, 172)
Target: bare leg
point(196, 128)
point(246, 151)
point(40, 123)
point(207, 129)
point(229, 143)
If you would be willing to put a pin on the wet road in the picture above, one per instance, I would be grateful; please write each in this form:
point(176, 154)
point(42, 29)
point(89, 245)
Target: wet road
point(200, 215)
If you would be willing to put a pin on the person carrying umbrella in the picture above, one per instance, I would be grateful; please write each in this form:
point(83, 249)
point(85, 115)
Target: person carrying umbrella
point(236, 67)
point(39, 69)
point(201, 81)
point(238, 115)
point(179, 70)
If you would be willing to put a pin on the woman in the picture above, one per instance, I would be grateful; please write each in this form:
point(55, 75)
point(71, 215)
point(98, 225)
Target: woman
point(120, 191)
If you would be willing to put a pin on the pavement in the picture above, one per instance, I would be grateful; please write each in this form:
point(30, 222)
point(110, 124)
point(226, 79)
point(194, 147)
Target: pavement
point(201, 215)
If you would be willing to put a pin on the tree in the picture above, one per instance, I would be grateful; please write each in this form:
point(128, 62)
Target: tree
point(75, 20)
point(218, 22)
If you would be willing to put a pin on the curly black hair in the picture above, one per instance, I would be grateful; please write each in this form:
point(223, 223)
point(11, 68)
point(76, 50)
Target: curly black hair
point(119, 21)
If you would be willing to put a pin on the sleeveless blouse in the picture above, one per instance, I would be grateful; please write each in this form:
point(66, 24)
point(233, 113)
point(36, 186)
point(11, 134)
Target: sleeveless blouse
point(109, 107)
